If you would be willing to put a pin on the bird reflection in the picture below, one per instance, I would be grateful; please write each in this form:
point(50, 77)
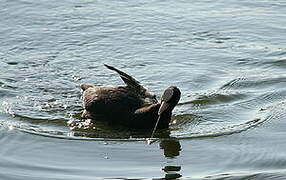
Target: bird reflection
point(171, 147)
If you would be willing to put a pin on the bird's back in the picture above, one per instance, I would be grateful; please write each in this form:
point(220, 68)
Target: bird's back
point(111, 103)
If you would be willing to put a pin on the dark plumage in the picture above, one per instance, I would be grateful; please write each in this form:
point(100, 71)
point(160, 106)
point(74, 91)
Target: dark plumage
point(132, 106)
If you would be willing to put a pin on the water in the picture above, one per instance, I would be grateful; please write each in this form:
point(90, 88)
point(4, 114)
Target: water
point(228, 59)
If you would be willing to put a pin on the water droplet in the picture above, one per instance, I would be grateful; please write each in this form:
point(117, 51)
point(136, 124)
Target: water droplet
point(11, 127)
point(70, 134)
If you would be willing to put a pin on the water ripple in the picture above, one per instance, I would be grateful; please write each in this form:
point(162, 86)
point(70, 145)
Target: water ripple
point(244, 175)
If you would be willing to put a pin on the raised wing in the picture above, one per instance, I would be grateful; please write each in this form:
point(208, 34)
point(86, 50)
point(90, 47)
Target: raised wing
point(129, 81)
point(134, 84)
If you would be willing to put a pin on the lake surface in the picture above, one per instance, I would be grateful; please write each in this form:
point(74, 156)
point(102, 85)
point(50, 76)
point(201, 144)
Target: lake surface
point(227, 57)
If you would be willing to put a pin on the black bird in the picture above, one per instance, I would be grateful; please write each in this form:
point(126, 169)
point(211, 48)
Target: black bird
point(132, 106)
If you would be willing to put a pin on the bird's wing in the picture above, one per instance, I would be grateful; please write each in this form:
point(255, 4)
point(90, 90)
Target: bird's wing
point(128, 80)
